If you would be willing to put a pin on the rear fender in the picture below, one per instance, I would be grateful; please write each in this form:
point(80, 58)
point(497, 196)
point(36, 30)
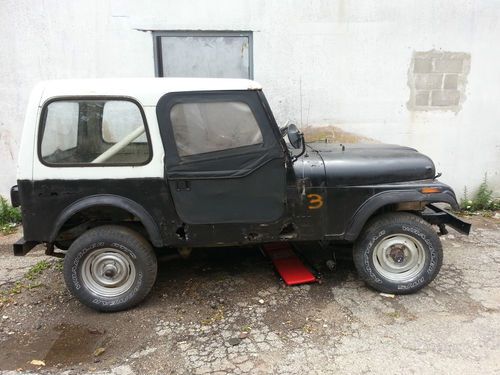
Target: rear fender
point(114, 201)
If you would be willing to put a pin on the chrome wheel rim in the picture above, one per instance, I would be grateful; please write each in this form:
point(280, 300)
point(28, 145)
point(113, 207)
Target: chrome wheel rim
point(108, 272)
point(399, 258)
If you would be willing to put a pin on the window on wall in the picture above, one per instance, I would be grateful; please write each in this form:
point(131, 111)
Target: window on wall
point(92, 131)
point(216, 54)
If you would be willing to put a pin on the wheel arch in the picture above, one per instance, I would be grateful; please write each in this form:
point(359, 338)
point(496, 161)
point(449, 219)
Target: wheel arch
point(110, 200)
point(387, 198)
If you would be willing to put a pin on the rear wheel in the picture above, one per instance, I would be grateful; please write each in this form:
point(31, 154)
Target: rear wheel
point(110, 268)
point(398, 253)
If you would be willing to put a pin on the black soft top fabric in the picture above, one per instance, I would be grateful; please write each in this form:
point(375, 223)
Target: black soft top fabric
point(232, 163)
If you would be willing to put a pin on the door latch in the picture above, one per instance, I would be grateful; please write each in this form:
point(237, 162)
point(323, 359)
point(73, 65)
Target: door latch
point(183, 186)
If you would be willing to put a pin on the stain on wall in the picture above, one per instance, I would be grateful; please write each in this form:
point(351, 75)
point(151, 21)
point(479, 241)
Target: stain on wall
point(437, 80)
point(333, 134)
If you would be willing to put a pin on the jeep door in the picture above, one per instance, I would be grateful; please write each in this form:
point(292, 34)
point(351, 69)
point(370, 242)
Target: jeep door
point(223, 158)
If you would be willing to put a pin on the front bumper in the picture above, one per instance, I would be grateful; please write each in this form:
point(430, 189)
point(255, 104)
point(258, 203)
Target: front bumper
point(438, 216)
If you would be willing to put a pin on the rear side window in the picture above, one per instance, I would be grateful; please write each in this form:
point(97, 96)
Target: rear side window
point(214, 126)
point(110, 132)
point(120, 118)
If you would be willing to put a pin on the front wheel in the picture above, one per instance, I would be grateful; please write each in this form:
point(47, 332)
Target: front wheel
point(398, 253)
point(110, 268)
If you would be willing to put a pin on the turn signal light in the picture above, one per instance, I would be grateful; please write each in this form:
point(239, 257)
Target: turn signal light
point(430, 190)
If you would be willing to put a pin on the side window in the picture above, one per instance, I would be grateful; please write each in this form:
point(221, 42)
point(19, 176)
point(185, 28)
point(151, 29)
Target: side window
point(61, 130)
point(93, 132)
point(214, 126)
point(119, 119)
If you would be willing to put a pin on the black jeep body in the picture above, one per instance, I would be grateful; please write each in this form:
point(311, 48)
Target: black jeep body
point(245, 196)
point(259, 193)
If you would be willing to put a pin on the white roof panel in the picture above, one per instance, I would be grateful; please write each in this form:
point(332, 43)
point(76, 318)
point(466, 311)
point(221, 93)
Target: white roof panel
point(145, 90)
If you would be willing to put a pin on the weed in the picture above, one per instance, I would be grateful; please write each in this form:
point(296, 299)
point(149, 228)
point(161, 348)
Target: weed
point(246, 328)
point(6, 296)
point(483, 200)
point(8, 228)
point(33, 286)
point(16, 289)
point(58, 265)
point(394, 314)
point(307, 328)
point(217, 317)
point(37, 270)
point(9, 216)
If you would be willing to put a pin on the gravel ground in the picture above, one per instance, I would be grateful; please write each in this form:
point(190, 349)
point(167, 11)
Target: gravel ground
point(226, 311)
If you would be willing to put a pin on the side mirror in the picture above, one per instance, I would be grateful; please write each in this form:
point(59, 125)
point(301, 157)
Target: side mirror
point(295, 136)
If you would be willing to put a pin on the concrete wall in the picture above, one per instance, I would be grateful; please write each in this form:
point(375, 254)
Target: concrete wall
point(342, 63)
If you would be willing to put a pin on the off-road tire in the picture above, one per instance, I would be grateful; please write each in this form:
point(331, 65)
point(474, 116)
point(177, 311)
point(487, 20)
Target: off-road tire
point(391, 227)
point(129, 247)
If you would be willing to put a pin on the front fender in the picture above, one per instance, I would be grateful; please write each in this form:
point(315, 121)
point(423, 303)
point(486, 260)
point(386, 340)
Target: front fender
point(384, 198)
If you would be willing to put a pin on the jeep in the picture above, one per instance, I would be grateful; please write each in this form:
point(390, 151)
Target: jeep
point(114, 171)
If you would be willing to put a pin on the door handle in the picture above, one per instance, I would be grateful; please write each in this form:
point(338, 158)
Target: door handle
point(183, 185)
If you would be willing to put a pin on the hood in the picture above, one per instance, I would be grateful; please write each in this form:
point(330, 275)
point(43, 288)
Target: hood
point(366, 164)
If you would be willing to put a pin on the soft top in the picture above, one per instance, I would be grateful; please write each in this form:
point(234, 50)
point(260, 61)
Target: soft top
point(145, 90)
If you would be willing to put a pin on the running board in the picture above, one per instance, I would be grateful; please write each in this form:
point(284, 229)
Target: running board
point(288, 264)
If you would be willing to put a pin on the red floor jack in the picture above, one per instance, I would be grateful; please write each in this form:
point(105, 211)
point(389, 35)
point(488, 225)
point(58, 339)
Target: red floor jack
point(288, 264)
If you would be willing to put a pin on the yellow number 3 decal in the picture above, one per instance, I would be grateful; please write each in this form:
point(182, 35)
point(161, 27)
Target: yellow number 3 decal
point(315, 201)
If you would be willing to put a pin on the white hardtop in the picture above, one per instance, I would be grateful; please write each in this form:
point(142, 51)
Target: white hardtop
point(145, 90)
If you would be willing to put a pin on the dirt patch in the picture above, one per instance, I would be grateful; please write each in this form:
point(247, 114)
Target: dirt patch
point(333, 134)
point(61, 345)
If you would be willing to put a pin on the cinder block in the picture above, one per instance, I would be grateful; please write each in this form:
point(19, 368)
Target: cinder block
point(422, 65)
point(445, 98)
point(422, 98)
point(428, 81)
point(451, 81)
point(448, 65)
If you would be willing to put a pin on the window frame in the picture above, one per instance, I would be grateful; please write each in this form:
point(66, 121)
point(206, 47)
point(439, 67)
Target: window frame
point(157, 47)
point(43, 119)
point(250, 97)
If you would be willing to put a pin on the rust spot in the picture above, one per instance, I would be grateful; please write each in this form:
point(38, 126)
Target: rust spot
point(288, 232)
point(254, 236)
point(181, 232)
